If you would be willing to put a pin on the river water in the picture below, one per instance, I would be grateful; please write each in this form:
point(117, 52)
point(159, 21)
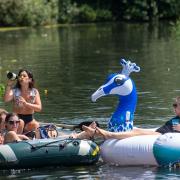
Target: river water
point(70, 62)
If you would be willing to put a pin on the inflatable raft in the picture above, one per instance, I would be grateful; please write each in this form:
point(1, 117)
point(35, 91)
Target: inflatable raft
point(48, 152)
point(152, 150)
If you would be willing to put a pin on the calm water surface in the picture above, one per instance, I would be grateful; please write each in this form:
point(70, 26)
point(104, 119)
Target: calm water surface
point(71, 62)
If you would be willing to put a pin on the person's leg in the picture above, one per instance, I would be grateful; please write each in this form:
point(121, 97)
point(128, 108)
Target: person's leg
point(11, 136)
point(20, 127)
point(84, 134)
point(118, 135)
point(31, 126)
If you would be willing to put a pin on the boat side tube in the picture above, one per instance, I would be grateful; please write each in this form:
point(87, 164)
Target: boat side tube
point(48, 152)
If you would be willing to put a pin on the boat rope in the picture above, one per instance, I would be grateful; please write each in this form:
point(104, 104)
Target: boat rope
point(50, 143)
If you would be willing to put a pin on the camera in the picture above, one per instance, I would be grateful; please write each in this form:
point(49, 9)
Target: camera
point(11, 76)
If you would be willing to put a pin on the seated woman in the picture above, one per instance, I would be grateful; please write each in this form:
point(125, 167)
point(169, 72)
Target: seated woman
point(173, 125)
point(11, 124)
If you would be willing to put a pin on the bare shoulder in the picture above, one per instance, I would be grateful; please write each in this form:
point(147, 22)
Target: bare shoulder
point(36, 91)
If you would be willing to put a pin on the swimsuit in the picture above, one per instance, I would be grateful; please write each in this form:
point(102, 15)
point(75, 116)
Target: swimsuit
point(17, 93)
point(168, 126)
point(26, 117)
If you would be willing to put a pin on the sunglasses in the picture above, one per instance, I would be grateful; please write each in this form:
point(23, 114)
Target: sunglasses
point(13, 122)
point(175, 105)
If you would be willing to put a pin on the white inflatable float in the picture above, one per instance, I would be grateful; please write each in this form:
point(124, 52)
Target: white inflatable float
point(136, 150)
point(152, 150)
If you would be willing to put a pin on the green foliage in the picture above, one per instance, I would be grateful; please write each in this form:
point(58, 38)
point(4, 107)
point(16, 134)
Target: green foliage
point(11, 13)
point(28, 12)
point(45, 12)
point(87, 14)
point(67, 11)
point(40, 13)
point(141, 10)
point(2, 90)
point(168, 9)
point(103, 15)
point(150, 9)
point(176, 30)
point(136, 11)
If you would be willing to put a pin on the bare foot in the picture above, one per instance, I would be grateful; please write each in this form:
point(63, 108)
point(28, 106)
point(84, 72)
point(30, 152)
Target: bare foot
point(102, 132)
point(90, 131)
point(96, 132)
point(93, 125)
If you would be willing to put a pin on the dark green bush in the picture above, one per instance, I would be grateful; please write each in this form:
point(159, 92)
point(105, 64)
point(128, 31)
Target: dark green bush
point(103, 15)
point(168, 9)
point(68, 11)
point(176, 29)
point(28, 12)
point(44, 12)
point(2, 89)
point(11, 12)
point(139, 10)
point(87, 14)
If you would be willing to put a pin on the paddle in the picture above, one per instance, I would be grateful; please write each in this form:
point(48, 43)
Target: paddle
point(73, 126)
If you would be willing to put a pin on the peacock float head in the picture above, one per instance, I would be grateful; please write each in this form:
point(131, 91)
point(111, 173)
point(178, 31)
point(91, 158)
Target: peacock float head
point(118, 83)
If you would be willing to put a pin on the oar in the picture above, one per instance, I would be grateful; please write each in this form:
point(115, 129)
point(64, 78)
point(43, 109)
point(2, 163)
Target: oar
point(72, 126)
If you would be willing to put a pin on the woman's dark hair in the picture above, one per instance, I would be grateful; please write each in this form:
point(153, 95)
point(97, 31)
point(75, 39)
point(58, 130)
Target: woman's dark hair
point(9, 115)
point(30, 75)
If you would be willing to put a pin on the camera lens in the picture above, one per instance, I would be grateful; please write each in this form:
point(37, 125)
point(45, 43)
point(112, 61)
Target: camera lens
point(11, 76)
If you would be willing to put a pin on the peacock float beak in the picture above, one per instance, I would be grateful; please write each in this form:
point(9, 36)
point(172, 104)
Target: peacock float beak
point(97, 94)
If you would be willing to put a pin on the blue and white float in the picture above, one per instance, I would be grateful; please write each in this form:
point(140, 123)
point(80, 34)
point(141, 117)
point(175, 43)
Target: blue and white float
point(122, 85)
point(156, 150)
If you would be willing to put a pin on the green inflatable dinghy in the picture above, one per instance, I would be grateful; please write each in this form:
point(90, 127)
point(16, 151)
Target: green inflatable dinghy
point(48, 152)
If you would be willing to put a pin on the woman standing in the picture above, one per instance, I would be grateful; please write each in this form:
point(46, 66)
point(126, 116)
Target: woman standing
point(26, 100)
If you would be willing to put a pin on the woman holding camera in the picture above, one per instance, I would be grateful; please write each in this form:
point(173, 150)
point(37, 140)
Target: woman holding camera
point(26, 100)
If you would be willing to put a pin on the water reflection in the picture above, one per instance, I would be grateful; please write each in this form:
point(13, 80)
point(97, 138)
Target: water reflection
point(100, 171)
